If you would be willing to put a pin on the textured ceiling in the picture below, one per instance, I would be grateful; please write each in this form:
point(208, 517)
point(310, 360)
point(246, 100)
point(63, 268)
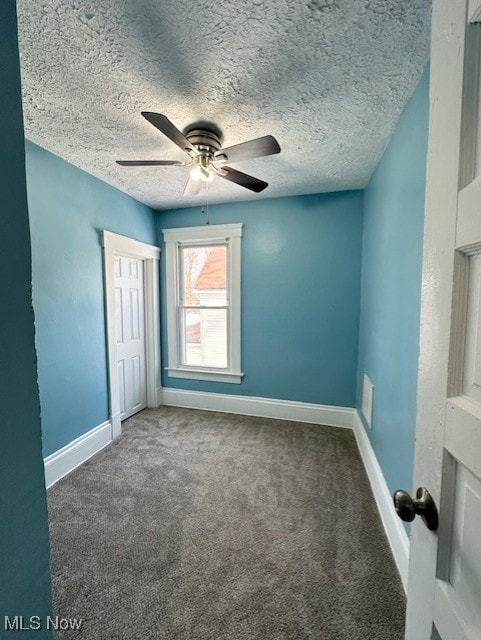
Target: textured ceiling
point(327, 78)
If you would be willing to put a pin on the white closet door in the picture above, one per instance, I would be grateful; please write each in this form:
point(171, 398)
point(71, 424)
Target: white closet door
point(130, 334)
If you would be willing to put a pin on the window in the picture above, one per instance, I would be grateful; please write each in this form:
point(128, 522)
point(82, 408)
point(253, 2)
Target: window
point(203, 302)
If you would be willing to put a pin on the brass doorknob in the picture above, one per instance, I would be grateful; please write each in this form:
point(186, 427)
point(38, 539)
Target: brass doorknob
point(407, 508)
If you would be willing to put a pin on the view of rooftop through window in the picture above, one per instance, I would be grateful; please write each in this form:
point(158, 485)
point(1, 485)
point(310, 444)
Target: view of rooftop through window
point(204, 305)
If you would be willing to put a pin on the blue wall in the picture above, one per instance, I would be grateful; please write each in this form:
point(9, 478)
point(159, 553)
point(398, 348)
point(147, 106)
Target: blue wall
point(301, 259)
point(68, 208)
point(24, 549)
point(391, 289)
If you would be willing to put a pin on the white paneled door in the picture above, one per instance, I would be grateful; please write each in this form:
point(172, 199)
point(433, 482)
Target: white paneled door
point(444, 590)
point(130, 334)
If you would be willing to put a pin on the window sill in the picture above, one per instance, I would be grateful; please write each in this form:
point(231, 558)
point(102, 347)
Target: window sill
point(214, 375)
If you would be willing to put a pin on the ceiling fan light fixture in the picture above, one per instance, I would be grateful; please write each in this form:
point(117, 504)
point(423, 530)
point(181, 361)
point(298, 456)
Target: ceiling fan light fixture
point(202, 170)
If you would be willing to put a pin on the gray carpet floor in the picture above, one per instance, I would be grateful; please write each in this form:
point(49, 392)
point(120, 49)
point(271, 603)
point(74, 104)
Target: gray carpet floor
point(207, 526)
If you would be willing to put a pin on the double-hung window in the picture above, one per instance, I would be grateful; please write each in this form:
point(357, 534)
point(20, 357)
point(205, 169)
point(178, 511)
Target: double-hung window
point(203, 302)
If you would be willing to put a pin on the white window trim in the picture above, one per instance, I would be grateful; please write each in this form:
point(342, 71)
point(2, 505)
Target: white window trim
point(115, 244)
point(232, 233)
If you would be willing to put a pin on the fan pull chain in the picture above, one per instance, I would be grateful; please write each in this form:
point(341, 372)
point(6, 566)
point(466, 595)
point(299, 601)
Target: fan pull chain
point(205, 207)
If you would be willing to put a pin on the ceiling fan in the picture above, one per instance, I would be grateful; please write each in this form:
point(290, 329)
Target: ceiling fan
point(206, 157)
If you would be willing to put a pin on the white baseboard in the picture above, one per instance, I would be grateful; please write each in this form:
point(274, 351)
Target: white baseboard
point(261, 407)
point(59, 464)
point(395, 531)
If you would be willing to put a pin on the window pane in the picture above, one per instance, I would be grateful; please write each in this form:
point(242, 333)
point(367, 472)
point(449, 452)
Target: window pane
point(205, 337)
point(204, 276)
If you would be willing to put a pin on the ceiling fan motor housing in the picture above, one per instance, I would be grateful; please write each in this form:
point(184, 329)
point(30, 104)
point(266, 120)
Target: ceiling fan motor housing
point(206, 142)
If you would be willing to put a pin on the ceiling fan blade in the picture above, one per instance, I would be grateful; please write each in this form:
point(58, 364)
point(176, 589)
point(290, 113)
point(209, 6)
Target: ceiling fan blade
point(193, 187)
point(150, 163)
point(265, 146)
point(242, 179)
point(165, 126)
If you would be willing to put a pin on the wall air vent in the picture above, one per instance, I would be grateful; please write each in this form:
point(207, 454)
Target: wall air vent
point(367, 394)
